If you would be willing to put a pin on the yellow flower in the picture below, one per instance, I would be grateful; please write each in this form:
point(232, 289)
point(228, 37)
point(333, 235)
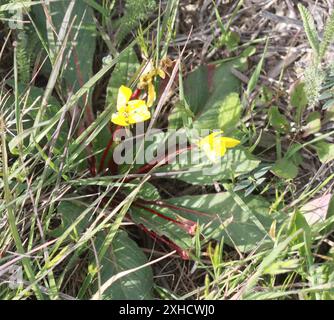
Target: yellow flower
point(129, 112)
point(214, 145)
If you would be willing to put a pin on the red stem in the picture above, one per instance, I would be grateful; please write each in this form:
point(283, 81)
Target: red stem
point(187, 225)
point(183, 253)
point(135, 94)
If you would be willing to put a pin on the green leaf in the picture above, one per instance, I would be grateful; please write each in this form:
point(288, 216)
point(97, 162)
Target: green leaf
point(256, 74)
point(242, 223)
point(82, 48)
point(278, 120)
point(147, 190)
point(328, 35)
point(68, 212)
point(223, 114)
point(212, 94)
point(196, 168)
point(161, 226)
point(230, 39)
point(285, 168)
point(124, 254)
point(196, 88)
point(298, 99)
point(282, 266)
point(325, 151)
point(208, 85)
point(298, 222)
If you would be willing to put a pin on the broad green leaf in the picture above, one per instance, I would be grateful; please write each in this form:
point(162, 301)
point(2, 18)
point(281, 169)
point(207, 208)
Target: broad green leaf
point(325, 151)
point(160, 226)
point(196, 168)
point(298, 99)
point(124, 254)
point(212, 93)
point(221, 215)
point(207, 88)
point(285, 168)
point(298, 222)
point(80, 47)
point(67, 213)
point(196, 87)
point(223, 114)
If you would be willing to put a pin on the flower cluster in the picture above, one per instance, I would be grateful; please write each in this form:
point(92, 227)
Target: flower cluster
point(135, 111)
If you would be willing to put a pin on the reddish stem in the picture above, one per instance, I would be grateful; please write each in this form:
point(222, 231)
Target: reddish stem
point(187, 225)
point(135, 94)
point(183, 253)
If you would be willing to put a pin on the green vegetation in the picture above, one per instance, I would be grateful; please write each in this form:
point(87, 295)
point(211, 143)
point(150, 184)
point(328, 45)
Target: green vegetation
point(245, 213)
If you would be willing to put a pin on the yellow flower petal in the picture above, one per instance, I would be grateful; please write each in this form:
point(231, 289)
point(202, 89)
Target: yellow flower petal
point(214, 153)
point(135, 104)
point(151, 95)
point(119, 119)
point(124, 95)
point(138, 111)
point(214, 145)
point(230, 142)
point(139, 115)
point(209, 139)
point(161, 73)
